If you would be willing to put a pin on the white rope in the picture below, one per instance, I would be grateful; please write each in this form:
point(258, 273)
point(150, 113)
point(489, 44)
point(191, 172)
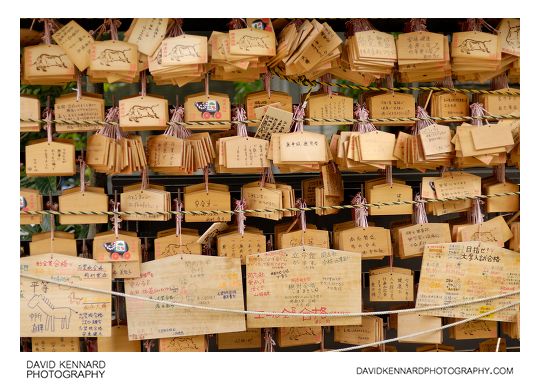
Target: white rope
point(219, 309)
point(426, 331)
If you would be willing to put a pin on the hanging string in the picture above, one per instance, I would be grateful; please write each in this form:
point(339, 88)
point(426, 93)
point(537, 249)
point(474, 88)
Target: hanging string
point(207, 84)
point(357, 25)
point(419, 213)
point(361, 112)
point(500, 171)
point(52, 219)
point(48, 116)
point(239, 116)
point(476, 25)
point(177, 129)
point(109, 25)
point(143, 83)
point(416, 25)
point(178, 218)
point(205, 175)
point(477, 113)
point(240, 215)
point(326, 88)
point(116, 218)
point(110, 129)
point(269, 342)
point(267, 77)
point(79, 83)
point(425, 120)
point(388, 175)
point(50, 26)
point(360, 214)
point(499, 81)
point(82, 170)
point(475, 213)
point(447, 82)
point(144, 178)
point(175, 29)
point(237, 23)
point(298, 117)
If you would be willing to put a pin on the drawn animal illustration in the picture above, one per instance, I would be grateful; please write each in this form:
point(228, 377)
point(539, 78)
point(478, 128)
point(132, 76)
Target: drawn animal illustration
point(108, 56)
point(117, 249)
point(208, 109)
point(296, 333)
point(73, 299)
point(247, 43)
point(23, 204)
point(182, 343)
point(512, 37)
point(138, 112)
point(469, 45)
point(171, 249)
point(484, 236)
point(45, 61)
point(52, 313)
point(180, 51)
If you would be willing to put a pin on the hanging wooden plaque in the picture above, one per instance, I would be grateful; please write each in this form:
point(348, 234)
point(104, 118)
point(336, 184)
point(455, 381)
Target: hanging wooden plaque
point(456, 272)
point(51, 310)
point(303, 279)
point(118, 341)
point(214, 107)
point(193, 279)
point(183, 344)
point(140, 113)
point(93, 199)
point(56, 158)
point(88, 107)
point(55, 344)
point(30, 200)
point(30, 109)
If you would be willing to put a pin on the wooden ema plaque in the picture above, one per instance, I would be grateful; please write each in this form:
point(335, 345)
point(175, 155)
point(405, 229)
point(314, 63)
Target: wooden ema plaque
point(410, 323)
point(183, 344)
point(56, 158)
point(200, 200)
point(298, 336)
point(141, 113)
point(118, 341)
point(390, 284)
point(30, 109)
point(324, 106)
point(30, 200)
point(392, 105)
point(303, 279)
point(62, 243)
point(249, 339)
point(93, 199)
point(189, 279)
point(473, 330)
point(123, 252)
point(237, 245)
point(371, 330)
point(51, 310)
point(55, 344)
point(461, 271)
point(88, 107)
point(169, 245)
point(215, 107)
point(259, 99)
